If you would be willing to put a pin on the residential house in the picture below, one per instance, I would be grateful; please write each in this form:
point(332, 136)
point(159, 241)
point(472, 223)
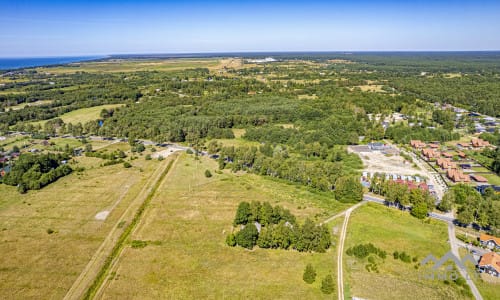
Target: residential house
point(489, 241)
point(462, 155)
point(479, 143)
point(447, 155)
point(490, 264)
point(417, 144)
point(446, 163)
point(478, 178)
point(463, 145)
point(430, 153)
point(457, 176)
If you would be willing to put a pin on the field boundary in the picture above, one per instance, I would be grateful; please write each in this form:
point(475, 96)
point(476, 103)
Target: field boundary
point(97, 283)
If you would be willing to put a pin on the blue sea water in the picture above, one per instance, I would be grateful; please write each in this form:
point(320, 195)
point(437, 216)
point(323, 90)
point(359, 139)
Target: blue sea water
point(25, 62)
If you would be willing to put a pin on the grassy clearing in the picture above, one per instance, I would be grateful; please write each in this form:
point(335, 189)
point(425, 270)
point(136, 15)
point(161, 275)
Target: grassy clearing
point(393, 230)
point(112, 66)
point(186, 256)
point(34, 262)
point(23, 105)
point(81, 115)
point(486, 284)
point(492, 178)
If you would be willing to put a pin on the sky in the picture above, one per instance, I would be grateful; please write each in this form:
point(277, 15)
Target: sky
point(77, 27)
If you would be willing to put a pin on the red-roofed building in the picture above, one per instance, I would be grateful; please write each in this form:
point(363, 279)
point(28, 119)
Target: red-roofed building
point(446, 163)
point(479, 143)
point(489, 241)
point(447, 154)
point(430, 153)
point(478, 178)
point(457, 176)
point(490, 264)
point(417, 144)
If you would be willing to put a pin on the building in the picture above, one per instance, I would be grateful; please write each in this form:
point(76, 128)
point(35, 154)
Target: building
point(462, 155)
point(478, 178)
point(490, 264)
point(446, 163)
point(447, 155)
point(463, 145)
point(434, 145)
point(479, 143)
point(417, 144)
point(489, 241)
point(377, 146)
point(457, 176)
point(482, 188)
point(430, 153)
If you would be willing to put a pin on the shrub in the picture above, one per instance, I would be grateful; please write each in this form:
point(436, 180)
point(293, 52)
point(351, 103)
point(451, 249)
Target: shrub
point(327, 286)
point(309, 274)
point(247, 237)
point(127, 165)
point(148, 157)
point(50, 231)
point(231, 240)
point(208, 174)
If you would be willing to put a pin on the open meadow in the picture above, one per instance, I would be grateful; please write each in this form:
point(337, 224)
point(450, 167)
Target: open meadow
point(49, 235)
point(182, 252)
point(392, 230)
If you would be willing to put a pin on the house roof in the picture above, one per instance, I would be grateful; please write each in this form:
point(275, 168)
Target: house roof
point(486, 237)
point(457, 176)
point(490, 259)
point(478, 178)
point(480, 143)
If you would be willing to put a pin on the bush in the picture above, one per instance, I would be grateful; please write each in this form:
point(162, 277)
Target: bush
point(160, 158)
point(50, 231)
point(208, 174)
point(189, 151)
point(247, 237)
point(148, 157)
point(138, 244)
point(309, 274)
point(231, 240)
point(327, 286)
point(127, 165)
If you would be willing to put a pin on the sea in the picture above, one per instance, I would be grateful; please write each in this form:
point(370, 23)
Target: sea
point(26, 62)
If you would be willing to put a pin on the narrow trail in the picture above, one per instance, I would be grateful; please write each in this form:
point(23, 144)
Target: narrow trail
point(340, 279)
point(114, 264)
point(91, 271)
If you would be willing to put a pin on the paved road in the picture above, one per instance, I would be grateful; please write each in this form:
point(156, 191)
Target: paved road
point(454, 249)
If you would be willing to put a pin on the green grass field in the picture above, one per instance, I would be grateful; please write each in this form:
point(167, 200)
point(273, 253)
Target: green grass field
point(393, 230)
point(492, 178)
point(187, 258)
point(35, 264)
point(82, 115)
point(131, 66)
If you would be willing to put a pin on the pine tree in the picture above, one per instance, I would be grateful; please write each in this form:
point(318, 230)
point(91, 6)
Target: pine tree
point(309, 274)
point(327, 286)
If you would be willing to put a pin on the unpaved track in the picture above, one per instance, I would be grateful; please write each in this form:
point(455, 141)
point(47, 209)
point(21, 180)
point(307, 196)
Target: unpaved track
point(87, 276)
point(99, 292)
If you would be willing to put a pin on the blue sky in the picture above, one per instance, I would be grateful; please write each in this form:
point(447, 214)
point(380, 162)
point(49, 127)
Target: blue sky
point(52, 28)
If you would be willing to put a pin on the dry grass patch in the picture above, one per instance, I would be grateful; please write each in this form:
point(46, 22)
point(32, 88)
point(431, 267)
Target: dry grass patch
point(186, 256)
point(393, 230)
point(34, 262)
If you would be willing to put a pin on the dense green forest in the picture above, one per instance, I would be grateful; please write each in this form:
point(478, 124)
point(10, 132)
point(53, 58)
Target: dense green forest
point(294, 116)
